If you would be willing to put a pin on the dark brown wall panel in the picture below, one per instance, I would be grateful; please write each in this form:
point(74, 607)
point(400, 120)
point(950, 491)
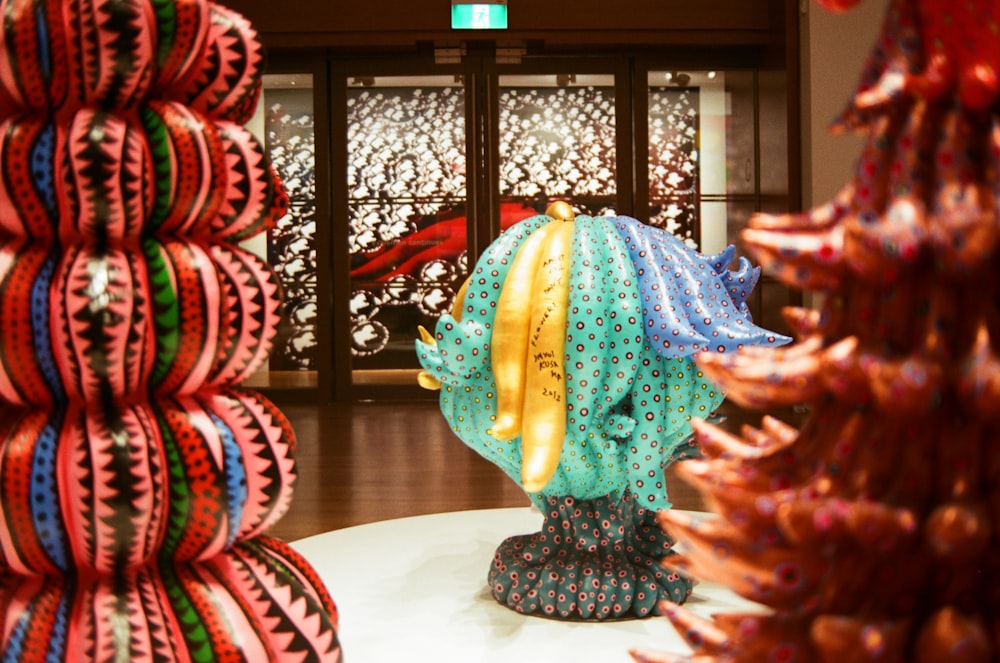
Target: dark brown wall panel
point(404, 22)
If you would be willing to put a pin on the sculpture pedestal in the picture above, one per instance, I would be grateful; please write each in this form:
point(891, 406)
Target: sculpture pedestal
point(593, 560)
point(417, 587)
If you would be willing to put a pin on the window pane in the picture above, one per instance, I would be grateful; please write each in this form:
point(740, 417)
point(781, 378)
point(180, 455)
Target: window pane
point(675, 163)
point(557, 142)
point(738, 118)
point(701, 145)
point(406, 206)
point(722, 222)
point(285, 122)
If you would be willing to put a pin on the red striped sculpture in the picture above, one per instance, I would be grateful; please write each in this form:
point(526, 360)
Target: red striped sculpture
point(136, 476)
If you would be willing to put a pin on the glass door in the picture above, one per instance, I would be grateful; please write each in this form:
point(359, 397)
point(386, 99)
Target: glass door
point(558, 140)
point(407, 220)
point(703, 136)
point(437, 165)
point(291, 123)
point(701, 161)
point(400, 172)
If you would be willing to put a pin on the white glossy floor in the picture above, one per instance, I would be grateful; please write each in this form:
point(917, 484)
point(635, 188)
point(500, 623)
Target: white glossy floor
point(414, 589)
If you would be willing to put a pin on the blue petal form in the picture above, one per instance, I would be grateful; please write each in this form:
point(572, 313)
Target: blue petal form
point(690, 301)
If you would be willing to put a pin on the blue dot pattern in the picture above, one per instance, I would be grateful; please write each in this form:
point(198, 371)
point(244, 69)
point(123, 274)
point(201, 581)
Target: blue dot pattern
point(692, 302)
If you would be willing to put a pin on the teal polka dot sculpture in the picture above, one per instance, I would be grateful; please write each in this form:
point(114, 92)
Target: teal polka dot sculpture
point(567, 362)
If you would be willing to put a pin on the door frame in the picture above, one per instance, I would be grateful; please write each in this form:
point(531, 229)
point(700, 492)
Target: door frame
point(480, 74)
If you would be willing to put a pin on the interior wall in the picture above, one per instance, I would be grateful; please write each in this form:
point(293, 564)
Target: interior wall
point(835, 48)
point(402, 23)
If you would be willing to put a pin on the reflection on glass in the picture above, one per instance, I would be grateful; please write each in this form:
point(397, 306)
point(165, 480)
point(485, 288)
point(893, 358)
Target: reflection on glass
point(406, 202)
point(675, 161)
point(730, 217)
point(557, 142)
point(737, 117)
point(289, 133)
point(701, 149)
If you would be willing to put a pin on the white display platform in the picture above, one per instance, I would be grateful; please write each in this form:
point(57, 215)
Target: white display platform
point(414, 589)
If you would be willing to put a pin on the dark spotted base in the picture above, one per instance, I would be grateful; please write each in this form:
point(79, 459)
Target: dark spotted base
point(593, 560)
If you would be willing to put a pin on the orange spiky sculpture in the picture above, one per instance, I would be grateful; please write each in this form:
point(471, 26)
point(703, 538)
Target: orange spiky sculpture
point(873, 532)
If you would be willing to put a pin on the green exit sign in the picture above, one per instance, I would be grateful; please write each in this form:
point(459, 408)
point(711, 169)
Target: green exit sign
point(478, 16)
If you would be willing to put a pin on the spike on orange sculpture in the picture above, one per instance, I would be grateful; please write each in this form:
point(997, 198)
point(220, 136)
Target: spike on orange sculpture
point(873, 533)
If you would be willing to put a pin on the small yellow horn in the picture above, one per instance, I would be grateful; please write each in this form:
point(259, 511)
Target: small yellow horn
point(426, 336)
point(428, 381)
point(560, 210)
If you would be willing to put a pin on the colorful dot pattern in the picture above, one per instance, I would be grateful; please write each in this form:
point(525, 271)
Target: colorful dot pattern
point(691, 302)
point(592, 560)
point(632, 388)
point(630, 396)
point(462, 348)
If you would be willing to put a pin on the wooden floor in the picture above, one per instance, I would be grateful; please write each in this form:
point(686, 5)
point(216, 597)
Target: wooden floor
point(364, 462)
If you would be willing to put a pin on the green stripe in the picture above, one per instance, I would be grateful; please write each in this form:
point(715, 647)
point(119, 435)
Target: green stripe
point(166, 310)
point(198, 643)
point(180, 497)
point(158, 139)
point(166, 27)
